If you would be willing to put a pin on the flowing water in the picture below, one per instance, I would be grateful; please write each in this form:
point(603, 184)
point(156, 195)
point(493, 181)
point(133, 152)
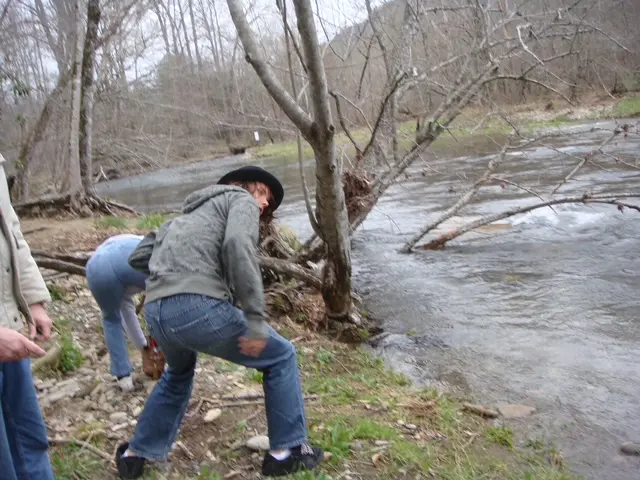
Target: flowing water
point(541, 311)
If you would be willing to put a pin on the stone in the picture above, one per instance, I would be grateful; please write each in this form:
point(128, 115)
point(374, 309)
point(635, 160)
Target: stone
point(118, 417)
point(630, 448)
point(516, 411)
point(137, 411)
point(212, 415)
point(258, 443)
point(381, 443)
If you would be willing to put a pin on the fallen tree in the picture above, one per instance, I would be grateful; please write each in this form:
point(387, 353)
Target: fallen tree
point(546, 199)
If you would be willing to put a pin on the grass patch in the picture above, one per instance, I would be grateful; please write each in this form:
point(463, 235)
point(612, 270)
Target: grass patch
point(500, 436)
point(372, 422)
point(110, 221)
point(70, 357)
point(70, 462)
point(151, 221)
point(58, 294)
point(627, 107)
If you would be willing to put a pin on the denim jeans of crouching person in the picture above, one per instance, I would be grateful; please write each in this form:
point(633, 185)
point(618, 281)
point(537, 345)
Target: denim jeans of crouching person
point(186, 324)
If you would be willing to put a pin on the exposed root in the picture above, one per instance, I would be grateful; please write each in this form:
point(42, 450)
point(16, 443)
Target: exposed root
point(77, 204)
point(357, 191)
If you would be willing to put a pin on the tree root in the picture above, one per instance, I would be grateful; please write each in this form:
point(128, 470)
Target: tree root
point(80, 204)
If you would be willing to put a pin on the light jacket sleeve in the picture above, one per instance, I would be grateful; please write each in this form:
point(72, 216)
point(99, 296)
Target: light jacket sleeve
point(32, 285)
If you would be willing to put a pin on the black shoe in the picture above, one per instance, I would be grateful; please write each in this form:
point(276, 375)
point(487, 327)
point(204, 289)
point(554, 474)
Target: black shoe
point(303, 457)
point(128, 467)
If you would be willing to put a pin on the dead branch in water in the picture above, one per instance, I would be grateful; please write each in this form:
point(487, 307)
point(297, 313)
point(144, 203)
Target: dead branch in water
point(609, 199)
point(462, 201)
point(585, 159)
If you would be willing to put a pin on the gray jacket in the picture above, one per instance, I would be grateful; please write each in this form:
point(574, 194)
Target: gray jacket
point(211, 250)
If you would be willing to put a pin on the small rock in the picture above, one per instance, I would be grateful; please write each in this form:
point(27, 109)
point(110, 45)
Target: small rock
point(118, 417)
point(381, 443)
point(120, 426)
point(400, 422)
point(232, 474)
point(516, 411)
point(356, 445)
point(258, 443)
point(212, 415)
point(136, 411)
point(411, 426)
point(328, 455)
point(376, 458)
point(630, 448)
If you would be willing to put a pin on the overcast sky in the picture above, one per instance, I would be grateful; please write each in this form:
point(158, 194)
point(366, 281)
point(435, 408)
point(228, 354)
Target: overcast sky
point(334, 16)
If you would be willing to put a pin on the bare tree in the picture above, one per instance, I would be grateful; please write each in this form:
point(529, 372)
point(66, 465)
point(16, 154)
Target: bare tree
point(87, 93)
point(319, 131)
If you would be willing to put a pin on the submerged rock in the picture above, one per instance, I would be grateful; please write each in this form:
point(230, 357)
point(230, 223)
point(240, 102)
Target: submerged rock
point(630, 448)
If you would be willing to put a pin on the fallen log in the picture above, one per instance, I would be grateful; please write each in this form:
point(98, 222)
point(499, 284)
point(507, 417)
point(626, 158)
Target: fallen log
point(606, 199)
point(78, 258)
point(74, 263)
point(60, 266)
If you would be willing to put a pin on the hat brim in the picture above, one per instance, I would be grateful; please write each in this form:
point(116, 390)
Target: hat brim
point(256, 174)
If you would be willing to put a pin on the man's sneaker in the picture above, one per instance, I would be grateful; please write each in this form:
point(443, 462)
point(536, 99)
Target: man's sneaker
point(128, 467)
point(126, 383)
point(303, 457)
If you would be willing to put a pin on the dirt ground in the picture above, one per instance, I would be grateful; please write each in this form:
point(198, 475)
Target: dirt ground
point(371, 422)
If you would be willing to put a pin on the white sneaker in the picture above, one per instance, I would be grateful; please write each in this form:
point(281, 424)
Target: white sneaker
point(126, 383)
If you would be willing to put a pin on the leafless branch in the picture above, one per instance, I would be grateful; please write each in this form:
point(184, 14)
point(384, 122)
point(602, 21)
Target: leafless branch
point(462, 201)
point(252, 54)
point(343, 124)
point(580, 164)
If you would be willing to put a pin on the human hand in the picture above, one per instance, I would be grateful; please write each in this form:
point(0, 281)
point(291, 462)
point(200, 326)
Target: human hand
point(252, 347)
point(15, 346)
point(41, 327)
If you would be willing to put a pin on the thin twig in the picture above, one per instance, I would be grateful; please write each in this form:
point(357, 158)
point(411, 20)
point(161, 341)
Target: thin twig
point(80, 443)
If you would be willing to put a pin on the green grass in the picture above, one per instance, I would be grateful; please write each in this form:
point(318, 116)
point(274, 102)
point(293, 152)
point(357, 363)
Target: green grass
point(57, 293)
point(365, 413)
point(627, 107)
point(110, 221)
point(500, 436)
point(71, 462)
point(151, 221)
point(70, 357)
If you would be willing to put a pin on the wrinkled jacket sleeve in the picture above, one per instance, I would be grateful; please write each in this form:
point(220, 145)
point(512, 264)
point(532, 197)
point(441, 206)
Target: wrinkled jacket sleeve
point(240, 261)
point(32, 285)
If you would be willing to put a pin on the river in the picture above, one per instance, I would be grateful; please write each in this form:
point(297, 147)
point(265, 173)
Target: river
point(543, 312)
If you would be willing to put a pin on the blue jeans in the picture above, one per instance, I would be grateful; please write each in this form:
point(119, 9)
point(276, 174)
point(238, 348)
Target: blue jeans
point(111, 281)
point(186, 324)
point(23, 435)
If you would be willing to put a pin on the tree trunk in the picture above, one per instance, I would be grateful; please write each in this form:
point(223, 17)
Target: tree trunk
point(74, 179)
point(87, 88)
point(319, 131)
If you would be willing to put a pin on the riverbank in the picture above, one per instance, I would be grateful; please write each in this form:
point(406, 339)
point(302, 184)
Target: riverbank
point(469, 130)
point(372, 422)
point(474, 123)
